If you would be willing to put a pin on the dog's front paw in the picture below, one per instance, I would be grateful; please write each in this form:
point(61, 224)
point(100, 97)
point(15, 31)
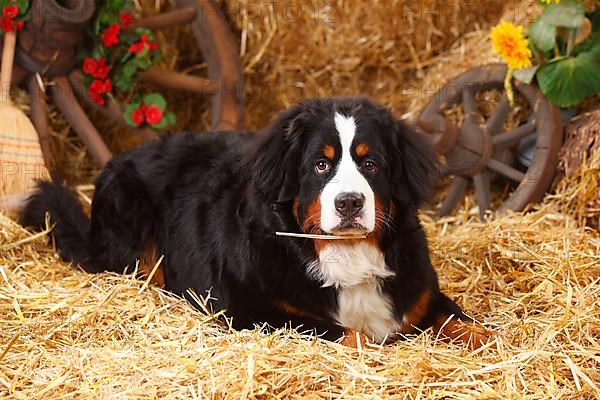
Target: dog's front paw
point(472, 333)
point(353, 339)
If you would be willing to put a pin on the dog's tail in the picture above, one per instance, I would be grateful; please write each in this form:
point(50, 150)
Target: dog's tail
point(65, 213)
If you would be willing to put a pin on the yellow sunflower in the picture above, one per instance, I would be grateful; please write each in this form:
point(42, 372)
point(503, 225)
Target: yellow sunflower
point(550, 1)
point(509, 42)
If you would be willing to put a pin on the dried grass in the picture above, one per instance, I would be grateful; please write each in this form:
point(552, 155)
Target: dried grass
point(532, 278)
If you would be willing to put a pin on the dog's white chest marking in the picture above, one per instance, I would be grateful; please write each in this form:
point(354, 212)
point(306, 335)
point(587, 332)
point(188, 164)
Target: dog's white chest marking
point(357, 272)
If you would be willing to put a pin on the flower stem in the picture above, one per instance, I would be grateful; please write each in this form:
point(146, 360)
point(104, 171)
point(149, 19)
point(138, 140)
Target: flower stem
point(571, 41)
point(508, 87)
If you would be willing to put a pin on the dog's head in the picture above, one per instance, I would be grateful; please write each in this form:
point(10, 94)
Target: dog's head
point(344, 165)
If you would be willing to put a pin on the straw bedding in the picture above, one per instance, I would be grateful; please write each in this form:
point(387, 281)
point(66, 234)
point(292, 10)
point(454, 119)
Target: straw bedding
point(532, 278)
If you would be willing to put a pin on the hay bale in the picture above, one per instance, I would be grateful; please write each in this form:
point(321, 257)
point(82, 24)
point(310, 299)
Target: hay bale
point(582, 141)
point(578, 193)
point(294, 50)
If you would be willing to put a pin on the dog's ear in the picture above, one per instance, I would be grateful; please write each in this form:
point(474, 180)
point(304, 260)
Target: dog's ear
point(414, 165)
point(275, 159)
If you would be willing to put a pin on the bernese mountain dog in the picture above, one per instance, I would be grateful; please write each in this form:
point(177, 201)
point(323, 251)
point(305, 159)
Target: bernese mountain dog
point(211, 205)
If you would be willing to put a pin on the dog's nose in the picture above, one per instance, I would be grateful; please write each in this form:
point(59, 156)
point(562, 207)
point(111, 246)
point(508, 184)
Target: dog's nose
point(349, 204)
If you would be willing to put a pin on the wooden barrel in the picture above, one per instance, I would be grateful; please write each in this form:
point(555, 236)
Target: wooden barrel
point(49, 42)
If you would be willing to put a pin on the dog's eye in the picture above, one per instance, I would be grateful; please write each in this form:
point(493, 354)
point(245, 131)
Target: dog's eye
point(370, 165)
point(322, 166)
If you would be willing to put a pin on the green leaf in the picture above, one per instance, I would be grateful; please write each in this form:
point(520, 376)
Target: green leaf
point(23, 5)
point(143, 63)
point(542, 35)
point(156, 99)
point(171, 119)
point(98, 52)
point(116, 5)
point(162, 124)
point(567, 82)
point(141, 56)
point(130, 68)
point(123, 83)
point(592, 44)
point(144, 31)
point(567, 13)
point(526, 75)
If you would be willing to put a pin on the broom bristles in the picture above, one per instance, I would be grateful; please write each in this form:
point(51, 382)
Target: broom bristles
point(21, 159)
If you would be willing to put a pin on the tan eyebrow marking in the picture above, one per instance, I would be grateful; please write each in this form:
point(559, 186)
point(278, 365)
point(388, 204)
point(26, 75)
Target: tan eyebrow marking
point(329, 151)
point(362, 149)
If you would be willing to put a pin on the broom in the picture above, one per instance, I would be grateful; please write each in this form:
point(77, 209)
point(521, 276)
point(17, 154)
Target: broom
point(21, 159)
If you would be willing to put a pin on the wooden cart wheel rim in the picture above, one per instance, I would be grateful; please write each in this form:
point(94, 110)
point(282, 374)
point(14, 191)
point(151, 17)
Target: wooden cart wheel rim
point(548, 130)
point(223, 65)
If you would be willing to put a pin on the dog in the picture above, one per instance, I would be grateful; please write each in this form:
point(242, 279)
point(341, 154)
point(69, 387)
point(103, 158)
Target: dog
point(211, 204)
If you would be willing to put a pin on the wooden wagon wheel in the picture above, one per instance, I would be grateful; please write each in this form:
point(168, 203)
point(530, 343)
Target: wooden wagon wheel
point(47, 48)
point(478, 149)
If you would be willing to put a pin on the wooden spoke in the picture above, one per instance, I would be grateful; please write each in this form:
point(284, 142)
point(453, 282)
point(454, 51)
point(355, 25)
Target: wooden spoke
point(498, 116)
point(111, 110)
point(65, 100)
point(39, 118)
point(482, 189)
point(174, 80)
point(455, 194)
point(506, 170)
point(18, 75)
point(468, 99)
point(514, 136)
point(165, 20)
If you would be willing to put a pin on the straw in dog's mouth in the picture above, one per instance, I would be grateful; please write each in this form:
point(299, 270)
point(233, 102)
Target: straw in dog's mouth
point(323, 237)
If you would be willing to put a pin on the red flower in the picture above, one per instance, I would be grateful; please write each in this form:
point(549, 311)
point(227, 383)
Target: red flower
point(10, 11)
point(89, 66)
point(8, 14)
point(137, 116)
point(126, 18)
point(96, 68)
point(97, 90)
point(7, 24)
point(153, 115)
point(143, 44)
point(102, 69)
point(136, 48)
point(110, 37)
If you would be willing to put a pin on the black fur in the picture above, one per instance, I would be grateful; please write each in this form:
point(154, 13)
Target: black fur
point(70, 225)
point(211, 204)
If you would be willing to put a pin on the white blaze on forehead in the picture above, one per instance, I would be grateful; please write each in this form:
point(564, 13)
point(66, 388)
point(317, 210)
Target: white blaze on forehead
point(347, 178)
point(346, 127)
